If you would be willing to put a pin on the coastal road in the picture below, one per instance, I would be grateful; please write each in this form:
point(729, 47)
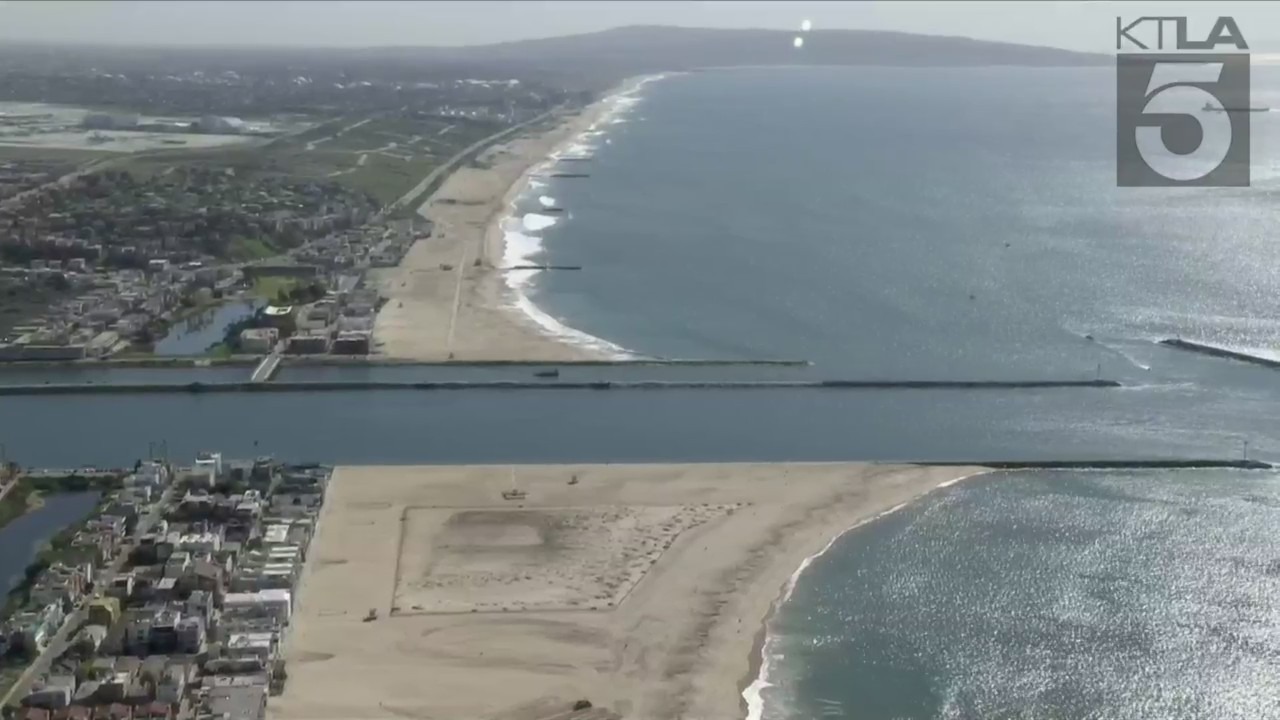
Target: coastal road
point(449, 166)
point(15, 200)
point(56, 647)
point(452, 163)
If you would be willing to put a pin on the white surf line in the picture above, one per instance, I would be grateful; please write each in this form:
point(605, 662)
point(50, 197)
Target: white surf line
point(753, 694)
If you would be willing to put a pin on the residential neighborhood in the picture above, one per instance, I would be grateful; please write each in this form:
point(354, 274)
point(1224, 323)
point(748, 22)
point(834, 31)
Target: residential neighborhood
point(100, 313)
point(116, 219)
point(173, 600)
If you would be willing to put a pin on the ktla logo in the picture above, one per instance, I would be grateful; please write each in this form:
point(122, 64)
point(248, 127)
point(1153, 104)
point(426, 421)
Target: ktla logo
point(1182, 118)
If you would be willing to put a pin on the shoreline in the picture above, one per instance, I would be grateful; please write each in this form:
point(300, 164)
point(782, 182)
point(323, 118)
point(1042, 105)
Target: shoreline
point(449, 299)
point(649, 597)
point(588, 123)
point(756, 681)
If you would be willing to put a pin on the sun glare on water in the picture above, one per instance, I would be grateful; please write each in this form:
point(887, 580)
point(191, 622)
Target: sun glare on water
point(805, 26)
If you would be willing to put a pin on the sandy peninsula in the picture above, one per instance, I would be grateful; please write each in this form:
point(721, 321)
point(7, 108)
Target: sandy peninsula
point(641, 588)
point(448, 298)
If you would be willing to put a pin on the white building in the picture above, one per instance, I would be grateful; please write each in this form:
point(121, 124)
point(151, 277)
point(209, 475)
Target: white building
point(259, 340)
point(257, 645)
point(209, 465)
point(220, 125)
point(190, 631)
point(276, 534)
point(276, 604)
point(201, 543)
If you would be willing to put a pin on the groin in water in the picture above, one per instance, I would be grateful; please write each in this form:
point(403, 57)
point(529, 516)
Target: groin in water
point(1216, 351)
point(334, 386)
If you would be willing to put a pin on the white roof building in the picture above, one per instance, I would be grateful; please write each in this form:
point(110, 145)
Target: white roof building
point(273, 603)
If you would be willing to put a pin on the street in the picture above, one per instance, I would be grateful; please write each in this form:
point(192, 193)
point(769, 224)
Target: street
point(60, 641)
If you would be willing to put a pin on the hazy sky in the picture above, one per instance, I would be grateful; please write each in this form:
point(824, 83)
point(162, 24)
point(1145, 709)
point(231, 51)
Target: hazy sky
point(1074, 25)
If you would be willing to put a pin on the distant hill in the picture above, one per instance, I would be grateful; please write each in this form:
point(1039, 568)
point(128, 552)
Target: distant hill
point(602, 58)
point(590, 61)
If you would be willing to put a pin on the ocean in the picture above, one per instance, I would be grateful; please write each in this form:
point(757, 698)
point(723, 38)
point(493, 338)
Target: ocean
point(964, 224)
point(1113, 595)
point(885, 224)
point(902, 223)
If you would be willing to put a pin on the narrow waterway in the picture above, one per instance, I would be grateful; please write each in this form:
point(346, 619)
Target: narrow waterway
point(21, 540)
point(194, 335)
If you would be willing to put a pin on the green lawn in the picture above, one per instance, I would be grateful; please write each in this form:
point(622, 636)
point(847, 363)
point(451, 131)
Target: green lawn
point(251, 249)
point(15, 503)
point(387, 179)
point(268, 288)
point(221, 351)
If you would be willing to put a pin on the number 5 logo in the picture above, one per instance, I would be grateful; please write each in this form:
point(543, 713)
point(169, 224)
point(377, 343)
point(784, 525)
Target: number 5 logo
point(1181, 120)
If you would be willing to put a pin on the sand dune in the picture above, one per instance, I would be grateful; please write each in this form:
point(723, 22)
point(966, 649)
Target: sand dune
point(640, 587)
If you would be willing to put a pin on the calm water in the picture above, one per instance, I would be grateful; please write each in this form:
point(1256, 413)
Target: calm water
point(889, 224)
point(1074, 595)
point(17, 374)
point(194, 335)
point(848, 216)
point(22, 539)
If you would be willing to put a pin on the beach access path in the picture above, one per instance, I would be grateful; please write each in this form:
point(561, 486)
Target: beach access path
point(642, 588)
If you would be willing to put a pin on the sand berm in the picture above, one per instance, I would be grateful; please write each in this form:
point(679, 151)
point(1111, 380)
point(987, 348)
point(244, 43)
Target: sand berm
point(641, 588)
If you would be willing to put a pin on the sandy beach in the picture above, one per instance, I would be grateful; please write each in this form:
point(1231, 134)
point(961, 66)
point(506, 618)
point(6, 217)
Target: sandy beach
point(642, 588)
point(448, 298)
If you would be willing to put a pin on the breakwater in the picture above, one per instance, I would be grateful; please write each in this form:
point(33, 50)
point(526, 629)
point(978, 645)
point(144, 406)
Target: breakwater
point(1216, 351)
point(1153, 464)
point(380, 361)
point(336, 386)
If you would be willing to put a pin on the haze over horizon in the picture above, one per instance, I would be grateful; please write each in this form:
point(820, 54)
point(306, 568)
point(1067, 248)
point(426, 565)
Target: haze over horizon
point(1083, 26)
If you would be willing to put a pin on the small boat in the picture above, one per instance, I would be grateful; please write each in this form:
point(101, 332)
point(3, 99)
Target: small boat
point(552, 373)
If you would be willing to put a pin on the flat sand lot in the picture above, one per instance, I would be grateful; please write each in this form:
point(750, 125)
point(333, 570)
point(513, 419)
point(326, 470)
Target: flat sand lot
point(642, 588)
point(534, 559)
